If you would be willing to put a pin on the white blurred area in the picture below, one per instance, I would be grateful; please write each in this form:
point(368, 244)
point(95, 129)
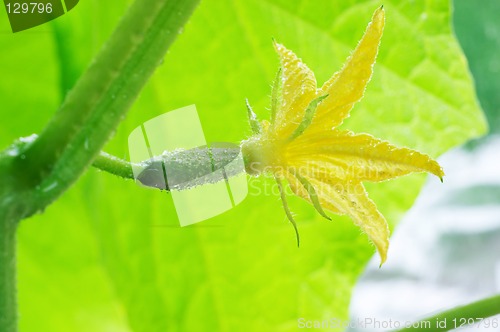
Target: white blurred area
point(446, 251)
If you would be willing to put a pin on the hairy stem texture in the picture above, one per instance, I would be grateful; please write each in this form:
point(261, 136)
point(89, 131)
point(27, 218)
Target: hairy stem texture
point(100, 99)
point(33, 174)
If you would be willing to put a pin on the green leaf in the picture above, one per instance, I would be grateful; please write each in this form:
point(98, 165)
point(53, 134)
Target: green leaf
point(108, 254)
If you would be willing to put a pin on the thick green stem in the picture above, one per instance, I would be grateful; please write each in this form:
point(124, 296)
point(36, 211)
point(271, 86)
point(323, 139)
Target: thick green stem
point(460, 316)
point(8, 306)
point(99, 100)
point(34, 173)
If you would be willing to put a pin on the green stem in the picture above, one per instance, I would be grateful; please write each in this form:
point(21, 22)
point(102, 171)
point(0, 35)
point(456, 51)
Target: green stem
point(99, 100)
point(457, 317)
point(114, 165)
point(8, 305)
point(34, 174)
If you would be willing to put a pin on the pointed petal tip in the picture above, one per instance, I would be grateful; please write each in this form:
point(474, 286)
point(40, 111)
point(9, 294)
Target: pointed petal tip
point(275, 43)
point(383, 259)
point(379, 17)
point(438, 171)
point(280, 49)
point(382, 249)
point(433, 167)
point(277, 46)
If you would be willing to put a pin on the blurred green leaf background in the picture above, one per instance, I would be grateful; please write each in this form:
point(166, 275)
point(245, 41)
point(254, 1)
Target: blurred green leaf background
point(478, 30)
point(108, 255)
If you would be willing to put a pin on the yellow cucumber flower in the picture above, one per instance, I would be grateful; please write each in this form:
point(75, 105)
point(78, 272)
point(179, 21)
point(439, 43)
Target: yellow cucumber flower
point(321, 163)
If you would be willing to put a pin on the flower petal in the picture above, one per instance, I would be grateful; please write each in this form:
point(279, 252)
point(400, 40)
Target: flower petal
point(298, 89)
point(360, 157)
point(352, 199)
point(348, 86)
point(299, 190)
